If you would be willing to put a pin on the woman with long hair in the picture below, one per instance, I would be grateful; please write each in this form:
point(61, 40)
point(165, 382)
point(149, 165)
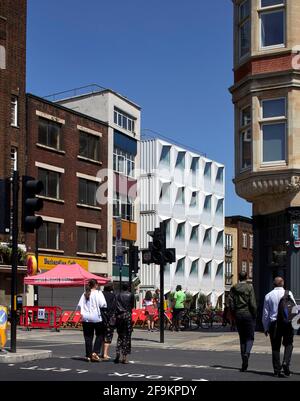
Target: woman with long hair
point(109, 315)
point(148, 304)
point(89, 305)
point(125, 304)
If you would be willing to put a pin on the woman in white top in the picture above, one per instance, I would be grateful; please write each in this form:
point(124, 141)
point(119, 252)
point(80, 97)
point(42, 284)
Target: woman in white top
point(89, 305)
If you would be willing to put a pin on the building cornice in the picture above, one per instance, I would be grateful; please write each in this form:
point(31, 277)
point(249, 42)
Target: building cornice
point(254, 185)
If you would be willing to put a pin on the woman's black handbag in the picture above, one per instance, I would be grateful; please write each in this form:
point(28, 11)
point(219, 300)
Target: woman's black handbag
point(104, 315)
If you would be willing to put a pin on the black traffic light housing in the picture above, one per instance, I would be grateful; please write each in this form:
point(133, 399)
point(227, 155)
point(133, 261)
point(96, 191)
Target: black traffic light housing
point(158, 245)
point(134, 258)
point(157, 252)
point(5, 209)
point(31, 204)
point(170, 255)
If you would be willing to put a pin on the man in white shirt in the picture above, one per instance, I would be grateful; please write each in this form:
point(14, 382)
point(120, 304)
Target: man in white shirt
point(279, 331)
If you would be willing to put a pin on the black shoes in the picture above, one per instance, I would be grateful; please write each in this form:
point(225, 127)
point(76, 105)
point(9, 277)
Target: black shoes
point(286, 371)
point(117, 359)
point(245, 359)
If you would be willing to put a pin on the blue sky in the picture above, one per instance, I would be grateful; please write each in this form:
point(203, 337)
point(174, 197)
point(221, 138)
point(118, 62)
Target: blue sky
point(172, 57)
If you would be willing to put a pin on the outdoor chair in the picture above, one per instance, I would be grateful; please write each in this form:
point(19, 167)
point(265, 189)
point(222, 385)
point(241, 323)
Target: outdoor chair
point(66, 318)
point(75, 320)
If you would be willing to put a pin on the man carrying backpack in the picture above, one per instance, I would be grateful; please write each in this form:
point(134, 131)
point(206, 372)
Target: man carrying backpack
point(277, 321)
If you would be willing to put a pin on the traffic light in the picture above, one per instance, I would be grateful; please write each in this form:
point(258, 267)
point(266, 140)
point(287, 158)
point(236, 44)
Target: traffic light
point(147, 257)
point(134, 258)
point(170, 255)
point(157, 252)
point(5, 210)
point(31, 204)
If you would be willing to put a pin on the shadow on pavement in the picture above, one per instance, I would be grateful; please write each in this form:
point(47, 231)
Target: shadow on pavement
point(255, 372)
point(144, 339)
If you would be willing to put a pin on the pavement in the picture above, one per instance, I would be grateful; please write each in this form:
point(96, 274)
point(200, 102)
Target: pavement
point(24, 355)
point(200, 340)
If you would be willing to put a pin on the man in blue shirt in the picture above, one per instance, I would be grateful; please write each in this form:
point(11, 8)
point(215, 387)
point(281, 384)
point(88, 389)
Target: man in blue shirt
point(279, 331)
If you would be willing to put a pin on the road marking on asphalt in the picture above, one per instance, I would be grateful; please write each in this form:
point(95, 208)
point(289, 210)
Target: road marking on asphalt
point(199, 380)
point(53, 369)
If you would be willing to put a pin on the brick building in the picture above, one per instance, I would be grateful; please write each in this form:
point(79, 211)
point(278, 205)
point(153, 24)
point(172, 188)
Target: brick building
point(12, 113)
point(266, 99)
point(124, 120)
point(238, 248)
point(66, 150)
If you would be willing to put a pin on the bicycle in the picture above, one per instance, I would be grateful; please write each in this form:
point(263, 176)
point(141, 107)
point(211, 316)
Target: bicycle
point(209, 318)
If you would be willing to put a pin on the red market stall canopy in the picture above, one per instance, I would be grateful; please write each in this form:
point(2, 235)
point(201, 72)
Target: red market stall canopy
point(64, 276)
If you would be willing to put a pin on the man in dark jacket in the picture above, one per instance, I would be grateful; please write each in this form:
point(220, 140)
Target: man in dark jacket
point(243, 304)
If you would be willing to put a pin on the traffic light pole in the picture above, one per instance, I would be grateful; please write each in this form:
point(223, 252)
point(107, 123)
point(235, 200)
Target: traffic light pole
point(36, 288)
point(14, 267)
point(161, 305)
point(120, 277)
point(130, 277)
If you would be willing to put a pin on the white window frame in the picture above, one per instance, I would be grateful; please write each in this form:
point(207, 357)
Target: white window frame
point(124, 116)
point(228, 241)
point(120, 200)
point(127, 158)
point(269, 10)
point(251, 270)
point(245, 240)
point(251, 242)
point(244, 129)
point(14, 103)
point(244, 266)
point(272, 121)
point(13, 159)
point(241, 23)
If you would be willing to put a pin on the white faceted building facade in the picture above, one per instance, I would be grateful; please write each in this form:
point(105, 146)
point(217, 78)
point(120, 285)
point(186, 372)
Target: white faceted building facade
point(186, 190)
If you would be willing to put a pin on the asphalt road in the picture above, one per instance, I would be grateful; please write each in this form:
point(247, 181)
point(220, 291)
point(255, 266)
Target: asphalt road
point(147, 364)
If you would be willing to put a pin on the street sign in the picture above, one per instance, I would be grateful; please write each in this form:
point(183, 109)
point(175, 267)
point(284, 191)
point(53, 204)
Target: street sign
point(41, 314)
point(119, 260)
point(296, 234)
point(119, 247)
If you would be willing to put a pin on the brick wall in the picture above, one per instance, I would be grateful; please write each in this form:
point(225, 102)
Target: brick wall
point(264, 65)
point(69, 211)
point(12, 82)
point(243, 226)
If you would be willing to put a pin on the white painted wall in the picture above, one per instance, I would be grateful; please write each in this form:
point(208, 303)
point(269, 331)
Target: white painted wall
point(101, 106)
point(153, 175)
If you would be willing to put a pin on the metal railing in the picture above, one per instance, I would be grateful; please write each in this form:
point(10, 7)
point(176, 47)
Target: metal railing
point(149, 134)
point(76, 92)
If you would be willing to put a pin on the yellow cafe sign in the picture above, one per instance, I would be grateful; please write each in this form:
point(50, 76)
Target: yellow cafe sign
point(46, 262)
